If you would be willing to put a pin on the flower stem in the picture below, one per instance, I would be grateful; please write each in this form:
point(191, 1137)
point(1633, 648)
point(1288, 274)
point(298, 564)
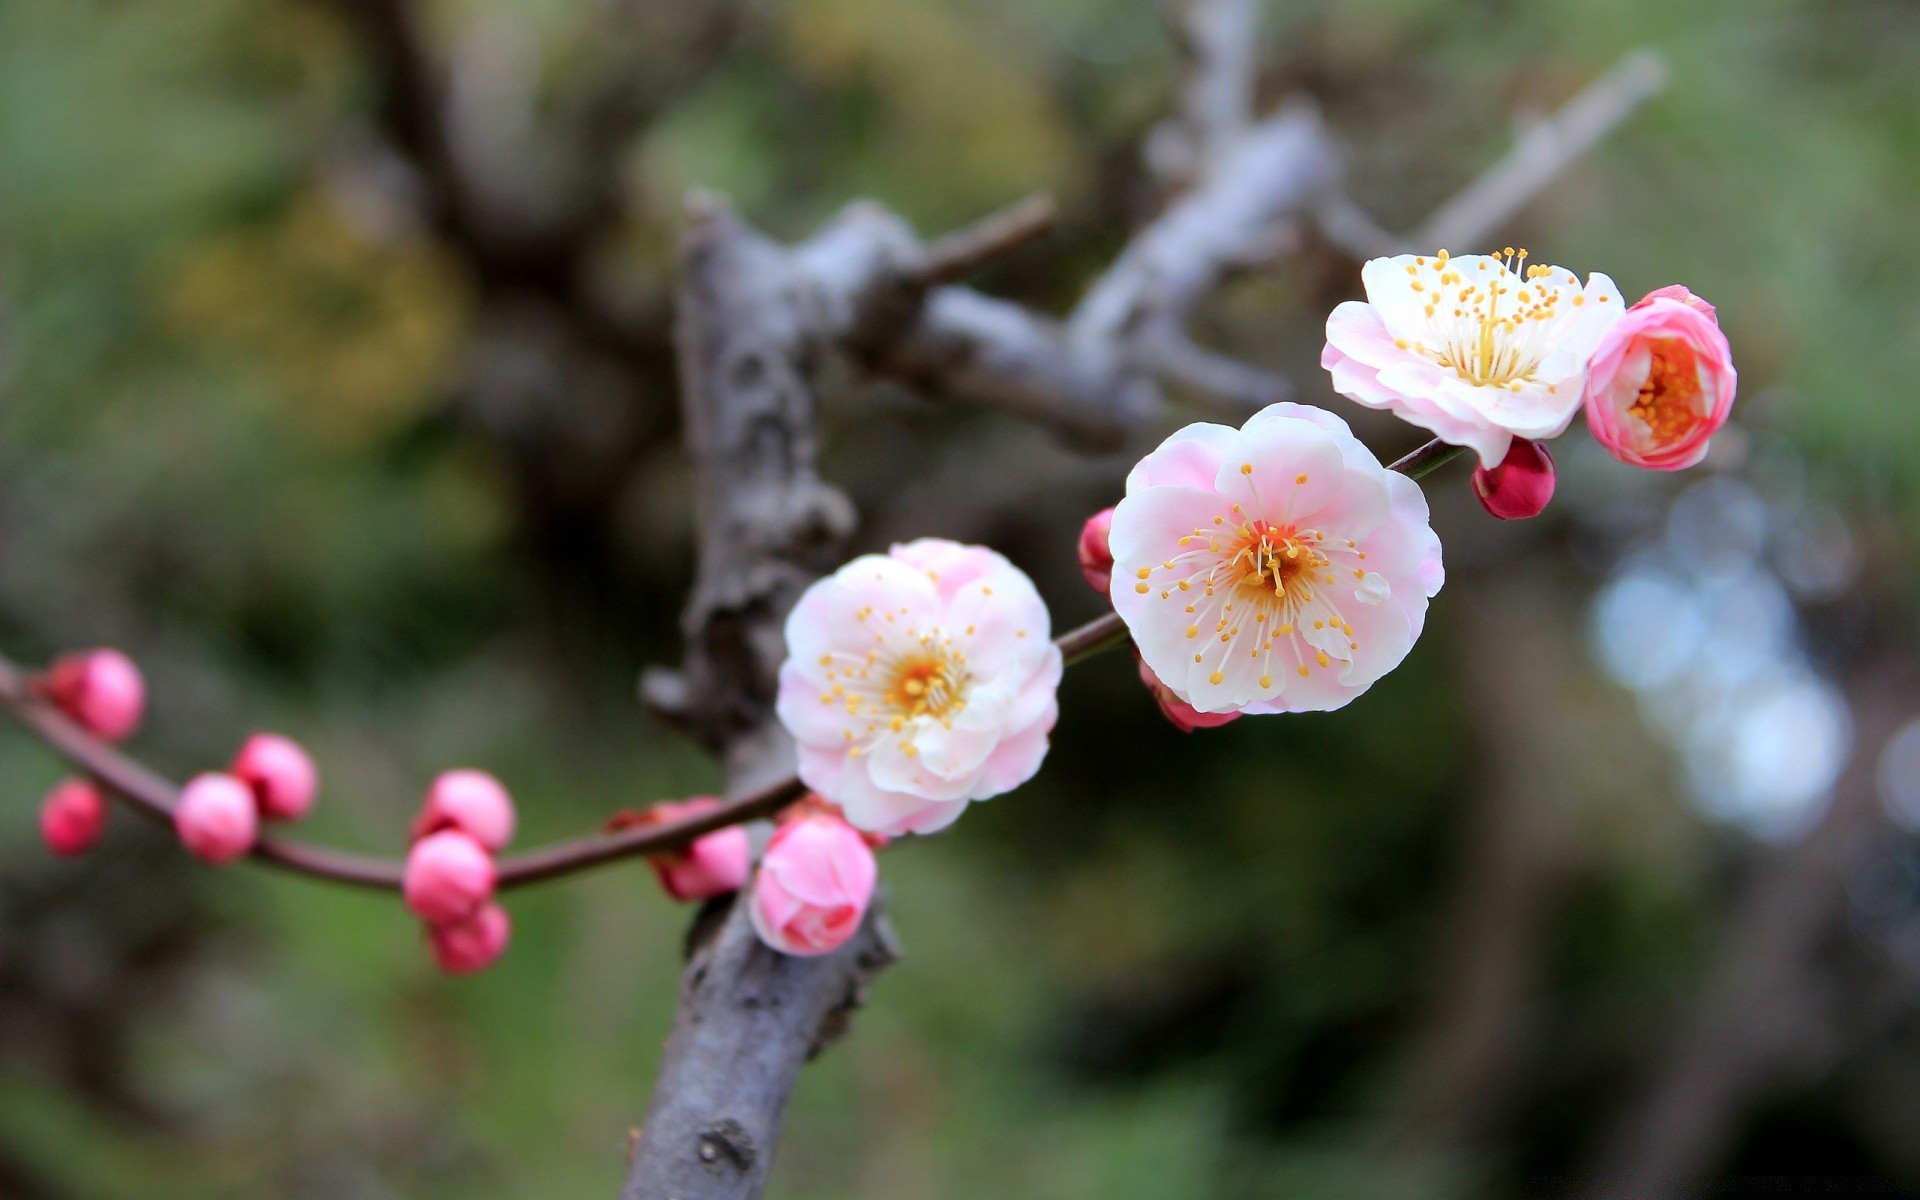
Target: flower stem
point(1427, 459)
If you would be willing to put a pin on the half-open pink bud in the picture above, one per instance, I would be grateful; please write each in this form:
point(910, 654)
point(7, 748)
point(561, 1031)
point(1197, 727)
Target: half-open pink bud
point(1661, 383)
point(1096, 557)
point(101, 689)
point(73, 817)
point(471, 801)
point(216, 817)
point(473, 944)
point(1185, 717)
point(448, 876)
point(1520, 486)
point(714, 865)
point(816, 879)
point(282, 776)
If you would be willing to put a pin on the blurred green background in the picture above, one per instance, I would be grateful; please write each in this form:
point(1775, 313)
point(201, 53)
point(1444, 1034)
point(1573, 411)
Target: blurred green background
point(330, 457)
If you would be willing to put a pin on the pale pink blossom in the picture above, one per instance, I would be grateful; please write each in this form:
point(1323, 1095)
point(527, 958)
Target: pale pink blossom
point(714, 865)
point(448, 876)
point(1521, 486)
point(1273, 568)
point(281, 774)
point(73, 817)
point(471, 801)
point(1096, 560)
point(100, 689)
point(814, 883)
point(1662, 382)
point(474, 944)
point(216, 818)
point(917, 681)
point(1477, 349)
point(1185, 717)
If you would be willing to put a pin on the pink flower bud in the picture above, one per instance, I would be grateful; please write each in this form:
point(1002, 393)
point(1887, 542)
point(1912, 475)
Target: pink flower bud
point(216, 817)
point(1520, 486)
point(471, 801)
point(1662, 382)
point(815, 880)
point(100, 689)
point(282, 776)
point(448, 876)
point(1185, 717)
point(713, 865)
point(1096, 559)
point(73, 817)
point(473, 944)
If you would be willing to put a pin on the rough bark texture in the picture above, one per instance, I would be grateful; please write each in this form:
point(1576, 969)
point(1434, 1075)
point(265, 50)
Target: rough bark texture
point(749, 1017)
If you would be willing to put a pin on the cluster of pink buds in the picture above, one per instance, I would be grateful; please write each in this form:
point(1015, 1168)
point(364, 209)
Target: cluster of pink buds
point(219, 814)
point(450, 877)
point(816, 879)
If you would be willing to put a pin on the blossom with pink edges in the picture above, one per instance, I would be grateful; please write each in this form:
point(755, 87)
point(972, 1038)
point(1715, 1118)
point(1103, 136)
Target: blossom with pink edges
point(1478, 349)
point(1521, 486)
point(463, 947)
point(1273, 568)
point(714, 865)
point(216, 818)
point(815, 881)
point(1185, 717)
point(73, 817)
point(281, 774)
point(1662, 382)
point(101, 689)
point(917, 681)
point(471, 801)
point(447, 878)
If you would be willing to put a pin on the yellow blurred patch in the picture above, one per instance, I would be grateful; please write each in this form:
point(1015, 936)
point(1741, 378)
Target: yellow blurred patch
point(356, 338)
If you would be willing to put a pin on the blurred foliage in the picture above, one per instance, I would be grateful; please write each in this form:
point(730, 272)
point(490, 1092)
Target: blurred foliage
point(237, 436)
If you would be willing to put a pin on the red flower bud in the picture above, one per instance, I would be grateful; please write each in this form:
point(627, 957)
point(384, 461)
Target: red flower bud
point(1520, 486)
point(100, 689)
point(1096, 560)
point(73, 817)
point(715, 864)
point(473, 802)
point(216, 818)
point(473, 944)
point(448, 877)
point(280, 773)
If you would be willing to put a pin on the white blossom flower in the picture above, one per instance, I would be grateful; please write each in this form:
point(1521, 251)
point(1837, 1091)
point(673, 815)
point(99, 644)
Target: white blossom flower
point(917, 681)
point(1478, 349)
point(1273, 568)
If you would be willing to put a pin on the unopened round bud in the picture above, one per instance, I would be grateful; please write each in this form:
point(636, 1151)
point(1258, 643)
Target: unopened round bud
point(282, 776)
point(1096, 558)
point(448, 876)
point(1520, 486)
point(473, 944)
point(100, 689)
point(816, 879)
point(713, 865)
point(216, 817)
point(471, 801)
point(73, 817)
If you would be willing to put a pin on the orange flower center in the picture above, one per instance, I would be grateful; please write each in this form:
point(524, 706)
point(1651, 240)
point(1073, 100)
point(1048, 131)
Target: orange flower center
point(1669, 400)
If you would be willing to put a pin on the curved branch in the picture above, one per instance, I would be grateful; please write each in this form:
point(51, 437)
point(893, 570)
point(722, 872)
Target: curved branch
point(154, 797)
